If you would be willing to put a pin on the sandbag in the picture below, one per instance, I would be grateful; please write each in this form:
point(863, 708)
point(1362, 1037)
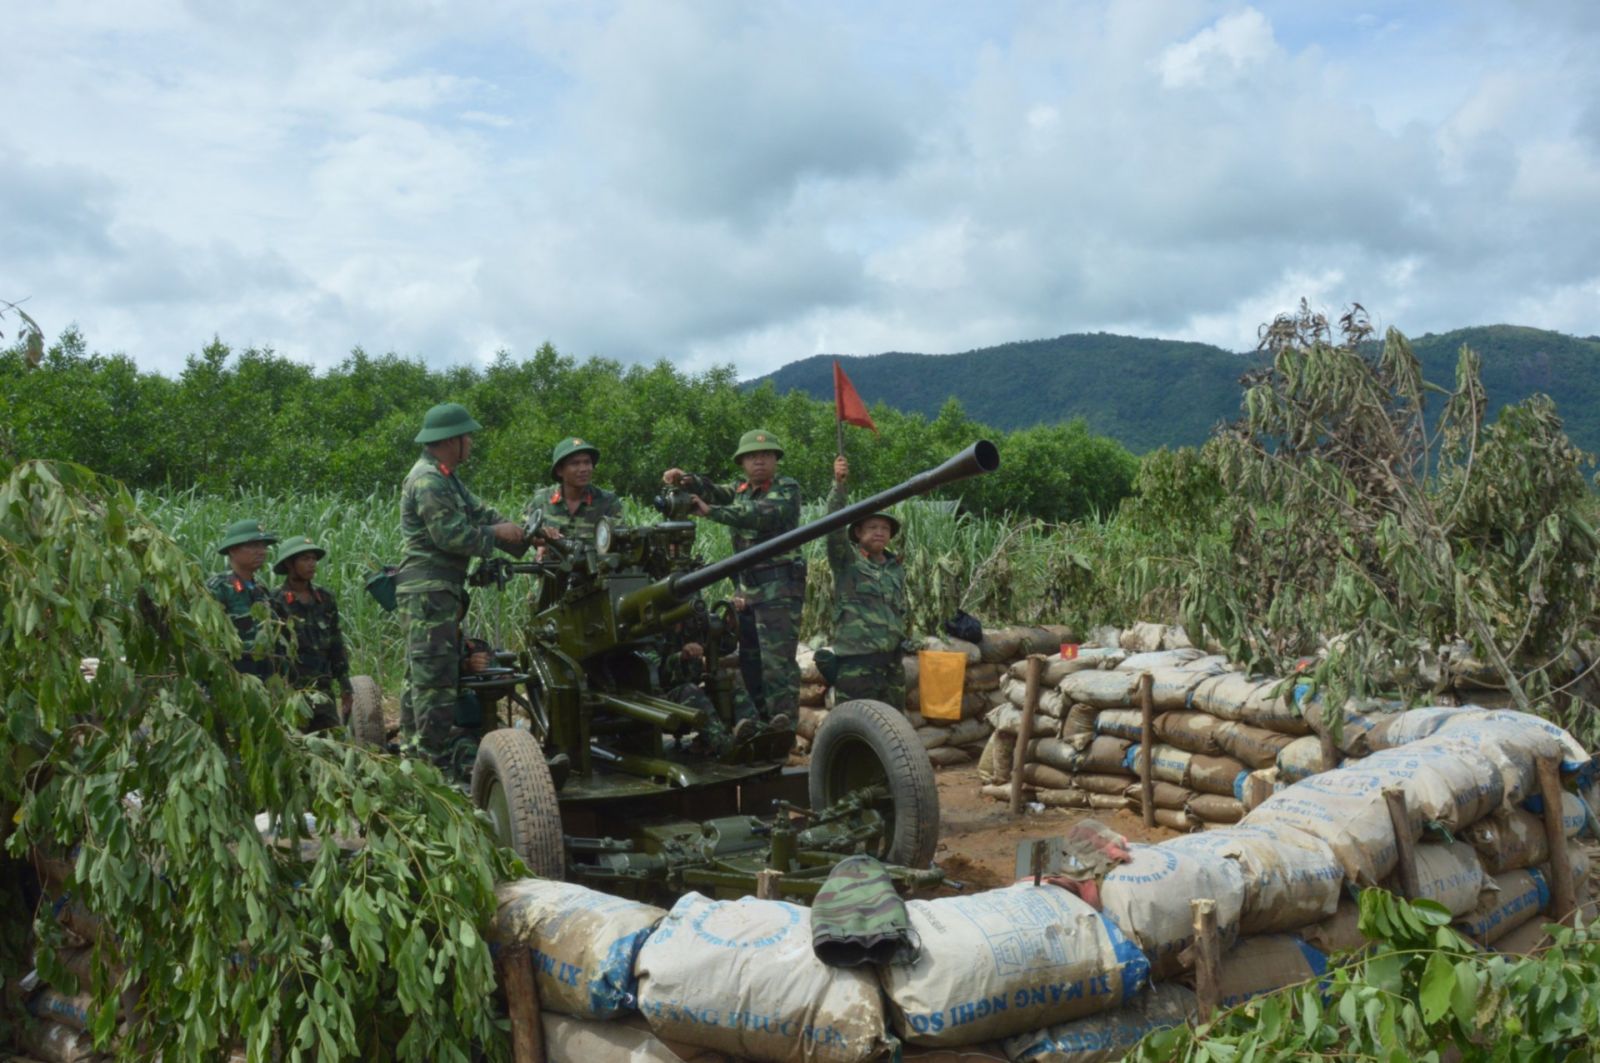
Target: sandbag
point(1108, 1036)
point(1155, 660)
point(1056, 752)
point(1051, 701)
point(1509, 839)
point(1123, 723)
point(1143, 637)
point(1257, 747)
point(1171, 688)
point(967, 733)
point(994, 763)
point(1194, 731)
point(1108, 802)
point(1265, 964)
point(1149, 900)
point(1005, 961)
point(1043, 775)
point(1079, 721)
point(584, 943)
point(741, 977)
point(1217, 775)
point(1102, 689)
point(1257, 786)
point(932, 737)
point(1168, 763)
point(1351, 726)
point(1069, 798)
point(1107, 754)
point(1245, 699)
point(1514, 898)
point(961, 646)
point(1291, 879)
point(1213, 808)
point(1301, 759)
point(949, 756)
point(810, 719)
point(69, 1009)
point(1163, 794)
point(1446, 781)
point(1008, 718)
point(1340, 932)
point(806, 658)
point(570, 1040)
point(983, 677)
point(1450, 874)
point(813, 695)
point(1058, 668)
point(55, 1043)
point(1178, 819)
point(1110, 784)
point(1345, 809)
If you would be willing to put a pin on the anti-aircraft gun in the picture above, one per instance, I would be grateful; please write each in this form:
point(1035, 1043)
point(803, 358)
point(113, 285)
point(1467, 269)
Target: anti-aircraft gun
point(598, 783)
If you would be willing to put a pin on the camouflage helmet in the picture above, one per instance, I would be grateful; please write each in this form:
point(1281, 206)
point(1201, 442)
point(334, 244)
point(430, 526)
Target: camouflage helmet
point(566, 449)
point(755, 440)
point(294, 547)
point(446, 421)
point(894, 522)
point(240, 532)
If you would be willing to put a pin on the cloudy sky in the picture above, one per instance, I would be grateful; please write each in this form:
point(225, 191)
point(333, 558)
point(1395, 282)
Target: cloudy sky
point(730, 181)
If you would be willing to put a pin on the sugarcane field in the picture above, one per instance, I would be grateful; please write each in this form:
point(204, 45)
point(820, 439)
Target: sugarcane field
point(669, 532)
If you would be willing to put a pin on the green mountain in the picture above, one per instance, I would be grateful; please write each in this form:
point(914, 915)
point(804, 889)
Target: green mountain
point(1148, 393)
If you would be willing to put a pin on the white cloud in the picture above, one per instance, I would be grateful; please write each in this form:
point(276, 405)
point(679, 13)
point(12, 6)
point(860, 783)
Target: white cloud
point(1220, 52)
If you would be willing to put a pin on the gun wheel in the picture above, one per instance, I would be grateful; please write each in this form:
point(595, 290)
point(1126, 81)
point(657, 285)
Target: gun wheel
point(366, 722)
point(868, 743)
point(511, 782)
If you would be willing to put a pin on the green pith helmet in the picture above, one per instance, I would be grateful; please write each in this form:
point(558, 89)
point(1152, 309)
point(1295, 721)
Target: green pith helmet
point(894, 522)
point(446, 421)
point(293, 547)
point(755, 440)
point(245, 531)
point(568, 447)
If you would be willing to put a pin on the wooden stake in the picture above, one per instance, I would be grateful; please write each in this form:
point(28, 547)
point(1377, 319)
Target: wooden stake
point(522, 1004)
point(1330, 752)
point(1562, 899)
point(1147, 745)
point(1030, 705)
point(768, 886)
point(1036, 860)
point(1207, 956)
point(1405, 843)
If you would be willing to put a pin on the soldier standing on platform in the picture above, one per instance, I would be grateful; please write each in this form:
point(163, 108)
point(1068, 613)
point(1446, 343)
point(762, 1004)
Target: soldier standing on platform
point(869, 604)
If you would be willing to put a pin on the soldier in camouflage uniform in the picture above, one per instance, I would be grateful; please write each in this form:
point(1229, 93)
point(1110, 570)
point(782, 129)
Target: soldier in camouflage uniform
point(681, 668)
point(315, 658)
point(575, 506)
point(245, 546)
point(760, 507)
point(442, 527)
point(869, 604)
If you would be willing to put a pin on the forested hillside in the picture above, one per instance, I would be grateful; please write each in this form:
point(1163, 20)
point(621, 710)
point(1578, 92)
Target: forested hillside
point(1148, 393)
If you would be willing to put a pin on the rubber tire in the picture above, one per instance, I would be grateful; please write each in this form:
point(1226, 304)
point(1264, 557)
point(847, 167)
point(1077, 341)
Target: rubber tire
point(514, 759)
point(366, 723)
point(852, 730)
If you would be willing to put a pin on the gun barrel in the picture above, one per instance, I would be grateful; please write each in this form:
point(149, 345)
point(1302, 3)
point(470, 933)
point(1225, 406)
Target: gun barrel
point(980, 458)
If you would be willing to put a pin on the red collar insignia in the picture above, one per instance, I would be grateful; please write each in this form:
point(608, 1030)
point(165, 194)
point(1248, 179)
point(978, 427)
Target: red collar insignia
point(445, 469)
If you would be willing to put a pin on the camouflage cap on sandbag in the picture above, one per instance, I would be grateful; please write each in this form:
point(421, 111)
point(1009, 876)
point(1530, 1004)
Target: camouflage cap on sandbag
point(240, 532)
point(568, 447)
point(446, 421)
point(293, 547)
point(757, 439)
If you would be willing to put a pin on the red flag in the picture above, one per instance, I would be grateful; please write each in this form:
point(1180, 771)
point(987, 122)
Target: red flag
point(847, 405)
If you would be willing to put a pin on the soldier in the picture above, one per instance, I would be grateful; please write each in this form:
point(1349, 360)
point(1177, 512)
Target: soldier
point(760, 507)
point(576, 505)
point(443, 527)
point(869, 603)
point(316, 660)
point(245, 546)
point(681, 665)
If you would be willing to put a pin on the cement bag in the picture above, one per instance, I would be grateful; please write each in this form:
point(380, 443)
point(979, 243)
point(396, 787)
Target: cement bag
point(1238, 697)
point(994, 764)
point(1301, 759)
point(1573, 755)
point(1102, 689)
point(1257, 785)
point(1005, 961)
point(569, 1040)
point(1177, 819)
point(584, 943)
point(1062, 798)
point(1357, 721)
point(1056, 753)
point(1508, 840)
point(1051, 701)
point(1217, 775)
point(1149, 900)
point(740, 977)
point(1058, 668)
point(1008, 718)
point(1168, 763)
point(1194, 731)
point(983, 677)
point(1446, 781)
point(1163, 794)
point(1211, 808)
point(1079, 722)
point(1108, 1036)
point(1450, 874)
point(1110, 785)
point(1265, 964)
point(967, 649)
point(1346, 810)
point(1257, 747)
point(1106, 754)
point(1043, 775)
point(1290, 879)
point(949, 756)
point(1340, 932)
point(1111, 803)
point(1124, 723)
point(1159, 659)
point(1514, 898)
point(55, 1042)
point(1170, 688)
point(1143, 637)
point(1514, 740)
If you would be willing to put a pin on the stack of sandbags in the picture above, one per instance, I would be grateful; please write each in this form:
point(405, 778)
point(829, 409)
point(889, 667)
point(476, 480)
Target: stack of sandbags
point(814, 698)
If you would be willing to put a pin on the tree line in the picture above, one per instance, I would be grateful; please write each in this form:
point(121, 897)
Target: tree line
point(254, 418)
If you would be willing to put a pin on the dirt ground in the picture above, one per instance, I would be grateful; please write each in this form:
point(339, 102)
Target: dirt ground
point(978, 837)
